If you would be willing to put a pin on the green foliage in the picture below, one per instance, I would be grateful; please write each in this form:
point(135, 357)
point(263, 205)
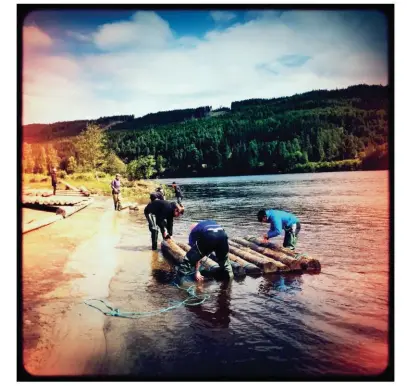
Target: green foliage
point(142, 168)
point(254, 136)
point(71, 165)
point(91, 148)
point(160, 164)
point(114, 164)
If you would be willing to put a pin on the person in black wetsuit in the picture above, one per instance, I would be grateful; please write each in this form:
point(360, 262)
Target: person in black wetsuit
point(178, 192)
point(160, 215)
point(158, 194)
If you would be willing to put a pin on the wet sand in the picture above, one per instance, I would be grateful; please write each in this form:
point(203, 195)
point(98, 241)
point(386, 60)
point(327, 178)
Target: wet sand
point(63, 264)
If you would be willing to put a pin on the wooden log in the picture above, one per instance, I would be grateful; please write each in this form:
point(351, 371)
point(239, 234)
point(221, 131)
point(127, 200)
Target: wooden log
point(41, 223)
point(168, 248)
point(249, 268)
point(238, 270)
point(70, 210)
point(297, 261)
point(207, 263)
point(69, 185)
point(247, 254)
point(130, 205)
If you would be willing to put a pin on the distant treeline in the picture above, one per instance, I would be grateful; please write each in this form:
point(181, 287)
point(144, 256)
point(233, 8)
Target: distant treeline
point(314, 131)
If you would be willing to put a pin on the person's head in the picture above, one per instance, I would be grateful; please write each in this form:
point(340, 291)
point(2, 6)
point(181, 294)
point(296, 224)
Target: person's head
point(261, 216)
point(159, 189)
point(117, 176)
point(178, 210)
point(174, 184)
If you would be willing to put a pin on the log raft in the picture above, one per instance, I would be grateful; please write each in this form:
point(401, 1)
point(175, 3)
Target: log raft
point(295, 261)
point(238, 270)
point(242, 251)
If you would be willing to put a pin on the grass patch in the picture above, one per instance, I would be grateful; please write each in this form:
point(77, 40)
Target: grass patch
point(138, 191)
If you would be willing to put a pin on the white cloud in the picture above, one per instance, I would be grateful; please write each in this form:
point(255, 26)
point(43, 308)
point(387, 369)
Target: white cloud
point(145, 29)
point(222, 16)
point(144, 68)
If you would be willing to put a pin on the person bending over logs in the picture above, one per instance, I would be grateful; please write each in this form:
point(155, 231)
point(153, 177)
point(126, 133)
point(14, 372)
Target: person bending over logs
point(160, 215)
point(206, 237)
point(278, 221)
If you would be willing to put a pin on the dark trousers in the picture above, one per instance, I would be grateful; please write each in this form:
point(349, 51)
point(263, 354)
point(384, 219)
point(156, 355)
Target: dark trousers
point(291, 236)
point(54, 187)
point(209, 242)
point(154, 230)
point(179, 200)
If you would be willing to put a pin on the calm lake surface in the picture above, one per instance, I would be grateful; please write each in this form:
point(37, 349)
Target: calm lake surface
point(332, 323)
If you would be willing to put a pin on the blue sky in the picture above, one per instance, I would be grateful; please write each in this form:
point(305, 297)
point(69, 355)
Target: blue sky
point(87, 64)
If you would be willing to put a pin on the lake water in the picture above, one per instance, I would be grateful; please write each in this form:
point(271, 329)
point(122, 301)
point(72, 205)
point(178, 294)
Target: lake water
point(332, 323)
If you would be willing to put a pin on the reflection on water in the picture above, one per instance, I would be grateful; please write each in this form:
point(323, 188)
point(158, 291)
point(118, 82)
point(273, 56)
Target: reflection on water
point(335, 322)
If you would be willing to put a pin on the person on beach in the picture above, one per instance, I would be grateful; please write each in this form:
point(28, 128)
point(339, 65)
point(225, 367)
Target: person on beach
point(178, 192)
point(54, 180)
point(160, 216)
point(158, 194)
point(206, 237)
point(278, 221)
point(115, 185)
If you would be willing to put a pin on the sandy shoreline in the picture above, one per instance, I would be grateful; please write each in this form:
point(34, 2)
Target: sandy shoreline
point(64, 263)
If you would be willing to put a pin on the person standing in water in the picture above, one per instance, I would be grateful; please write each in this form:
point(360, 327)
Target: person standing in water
point(278, 221)
point(115, 185)
point(178, 192)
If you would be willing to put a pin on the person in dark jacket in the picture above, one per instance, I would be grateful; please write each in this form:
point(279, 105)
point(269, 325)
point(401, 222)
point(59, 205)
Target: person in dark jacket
point(158, 194)
point(115, 185)
point(206, 237)
point(54, 180)
point(178, 192)
point(160, 215)
point(278, 221)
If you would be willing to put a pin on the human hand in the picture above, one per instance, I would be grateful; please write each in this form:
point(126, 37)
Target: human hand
point(198, 276)
point(265, 238)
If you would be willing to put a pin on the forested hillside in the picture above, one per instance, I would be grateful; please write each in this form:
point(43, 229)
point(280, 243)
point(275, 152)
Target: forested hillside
point(317, 130)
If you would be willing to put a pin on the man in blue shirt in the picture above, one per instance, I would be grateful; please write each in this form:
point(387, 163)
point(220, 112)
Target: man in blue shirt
point(206, 237)
point(280, 220)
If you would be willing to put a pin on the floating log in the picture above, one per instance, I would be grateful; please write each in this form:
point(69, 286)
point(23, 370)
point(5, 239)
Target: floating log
point(207, 263)
point(249, 255)
point(238, 270)
point(296, 261)
point(41, 223)
point(249, 268)
point(130, 205)
point(170, 248)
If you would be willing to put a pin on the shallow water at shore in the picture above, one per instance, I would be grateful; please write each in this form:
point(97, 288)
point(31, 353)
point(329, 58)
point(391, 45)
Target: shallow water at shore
point(276, 325)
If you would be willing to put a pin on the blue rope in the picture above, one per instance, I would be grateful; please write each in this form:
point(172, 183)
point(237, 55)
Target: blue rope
point(192, 300)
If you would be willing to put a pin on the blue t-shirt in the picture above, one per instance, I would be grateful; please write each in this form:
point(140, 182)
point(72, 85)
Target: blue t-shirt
point(200, 228)
point(278, 220)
